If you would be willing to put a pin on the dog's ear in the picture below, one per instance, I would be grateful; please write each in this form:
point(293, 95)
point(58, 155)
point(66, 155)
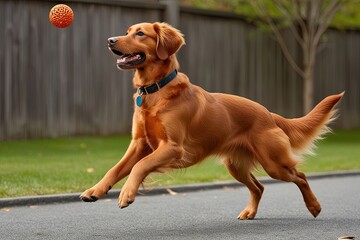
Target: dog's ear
point(169, 40)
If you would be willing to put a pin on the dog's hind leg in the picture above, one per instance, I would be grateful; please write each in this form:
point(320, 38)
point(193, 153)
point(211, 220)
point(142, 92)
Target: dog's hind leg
point(292, 175)
point(240, 170)
point(276, 158)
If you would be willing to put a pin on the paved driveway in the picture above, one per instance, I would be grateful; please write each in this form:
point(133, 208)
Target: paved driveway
point(207, 214)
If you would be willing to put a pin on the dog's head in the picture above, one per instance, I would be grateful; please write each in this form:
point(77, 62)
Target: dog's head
point(145, 43)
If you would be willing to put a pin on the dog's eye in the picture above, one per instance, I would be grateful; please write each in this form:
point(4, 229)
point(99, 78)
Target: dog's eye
point(140, 33)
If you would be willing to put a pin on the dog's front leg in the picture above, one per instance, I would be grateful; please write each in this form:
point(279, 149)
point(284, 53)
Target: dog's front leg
point(163, 158)
point(137, 150)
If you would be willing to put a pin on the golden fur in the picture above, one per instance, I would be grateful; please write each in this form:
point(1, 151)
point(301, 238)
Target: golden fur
point(182, 124)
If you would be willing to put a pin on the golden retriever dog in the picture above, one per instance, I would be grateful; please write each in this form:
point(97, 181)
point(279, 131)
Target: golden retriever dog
point(177, 124)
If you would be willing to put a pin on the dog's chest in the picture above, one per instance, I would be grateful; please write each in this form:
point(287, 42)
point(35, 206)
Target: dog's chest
point(153, 130)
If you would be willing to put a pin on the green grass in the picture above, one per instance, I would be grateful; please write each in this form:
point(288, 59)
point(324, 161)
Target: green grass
point(339, 151)
point(61, 165)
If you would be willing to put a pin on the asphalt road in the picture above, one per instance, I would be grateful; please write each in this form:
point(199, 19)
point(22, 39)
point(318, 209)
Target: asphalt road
point(207, 214)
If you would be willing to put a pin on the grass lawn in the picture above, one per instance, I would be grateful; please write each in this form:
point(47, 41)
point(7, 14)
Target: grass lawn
point(73, 164)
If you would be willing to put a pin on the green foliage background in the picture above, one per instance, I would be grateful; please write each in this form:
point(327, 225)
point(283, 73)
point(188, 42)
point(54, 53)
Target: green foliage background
point(347, 17)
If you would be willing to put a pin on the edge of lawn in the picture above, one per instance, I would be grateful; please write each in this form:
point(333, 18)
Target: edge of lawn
point(74, 197)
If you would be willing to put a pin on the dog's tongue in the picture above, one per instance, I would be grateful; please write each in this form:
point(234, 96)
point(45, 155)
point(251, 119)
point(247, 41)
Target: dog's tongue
point(128, 58)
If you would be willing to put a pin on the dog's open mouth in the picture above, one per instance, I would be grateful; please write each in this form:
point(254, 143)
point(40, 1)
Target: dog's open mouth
point(128, 60)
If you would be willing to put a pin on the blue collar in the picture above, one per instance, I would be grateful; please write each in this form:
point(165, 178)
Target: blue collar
point(156, 86)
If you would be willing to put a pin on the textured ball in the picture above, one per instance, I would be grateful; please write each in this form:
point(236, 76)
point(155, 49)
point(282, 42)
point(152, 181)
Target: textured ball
point(61, 16)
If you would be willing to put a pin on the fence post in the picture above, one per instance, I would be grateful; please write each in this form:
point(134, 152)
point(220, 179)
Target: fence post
point(172, 12)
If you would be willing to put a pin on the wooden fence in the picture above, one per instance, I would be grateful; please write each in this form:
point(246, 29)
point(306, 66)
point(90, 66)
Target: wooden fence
point(63, 82)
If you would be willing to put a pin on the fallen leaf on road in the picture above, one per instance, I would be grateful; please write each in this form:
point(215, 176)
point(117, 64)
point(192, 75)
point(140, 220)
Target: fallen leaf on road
point(171, 192)
point(5, 209)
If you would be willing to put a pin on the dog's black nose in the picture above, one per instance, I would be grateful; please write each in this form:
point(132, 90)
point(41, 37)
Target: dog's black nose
point(112, 41)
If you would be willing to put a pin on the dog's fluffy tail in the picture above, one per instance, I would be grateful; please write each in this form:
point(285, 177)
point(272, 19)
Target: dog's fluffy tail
point(304, 131)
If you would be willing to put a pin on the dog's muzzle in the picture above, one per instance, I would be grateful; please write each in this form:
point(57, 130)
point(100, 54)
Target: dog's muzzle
point(126, 59)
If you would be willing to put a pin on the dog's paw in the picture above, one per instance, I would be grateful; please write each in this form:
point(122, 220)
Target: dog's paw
point(91, 195)
point(89, 199)
point(247, 214)
point(315, 210)
point(127, 196)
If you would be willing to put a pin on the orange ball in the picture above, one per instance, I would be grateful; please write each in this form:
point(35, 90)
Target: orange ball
point(61, 16)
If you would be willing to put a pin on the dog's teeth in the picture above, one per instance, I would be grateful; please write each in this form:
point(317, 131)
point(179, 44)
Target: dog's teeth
point(129, 59)
point(120, 60)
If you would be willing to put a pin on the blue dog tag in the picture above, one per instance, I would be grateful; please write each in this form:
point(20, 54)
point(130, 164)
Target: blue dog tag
point(139, 100)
